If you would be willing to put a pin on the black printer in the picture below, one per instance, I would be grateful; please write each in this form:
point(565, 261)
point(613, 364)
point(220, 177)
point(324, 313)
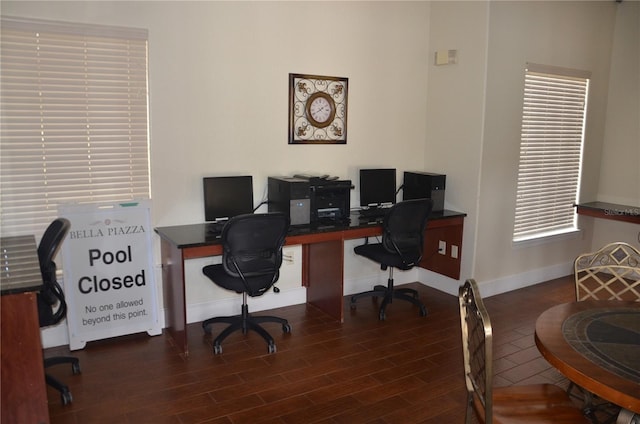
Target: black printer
point(330, 198)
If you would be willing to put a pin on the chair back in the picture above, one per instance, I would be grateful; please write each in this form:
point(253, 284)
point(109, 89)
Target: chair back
point(51, 293)
point(403, 229)
point(252, 247)
point(476, 347)
point(611, 273)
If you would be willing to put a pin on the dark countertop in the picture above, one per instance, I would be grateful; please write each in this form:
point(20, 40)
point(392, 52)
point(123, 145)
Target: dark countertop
point(20, 268)
point(193, 235)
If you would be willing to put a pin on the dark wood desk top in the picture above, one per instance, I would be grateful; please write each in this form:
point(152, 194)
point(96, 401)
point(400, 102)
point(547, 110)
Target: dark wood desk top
point(596, 344)
point(20, 266)
point(198, 235)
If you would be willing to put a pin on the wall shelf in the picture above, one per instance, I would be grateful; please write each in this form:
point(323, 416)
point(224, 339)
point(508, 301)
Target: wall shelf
point(610, 211)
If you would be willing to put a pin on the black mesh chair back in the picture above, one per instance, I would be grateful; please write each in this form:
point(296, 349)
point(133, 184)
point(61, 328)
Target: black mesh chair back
point(252, 249)
point(52, 307)
point(403, 230)
point(401, 247)
point(251, 258)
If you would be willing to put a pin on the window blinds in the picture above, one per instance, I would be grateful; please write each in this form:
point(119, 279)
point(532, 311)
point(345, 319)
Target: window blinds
point(553, 118)
point(74, 119)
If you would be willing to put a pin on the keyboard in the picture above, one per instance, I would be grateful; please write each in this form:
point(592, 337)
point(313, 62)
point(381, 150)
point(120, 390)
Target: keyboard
point(215, 227)
point(373, 212)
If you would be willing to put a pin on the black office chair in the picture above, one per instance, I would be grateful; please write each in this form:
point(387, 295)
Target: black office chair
point(402, 245)
point(251, 259)
point(52, 307)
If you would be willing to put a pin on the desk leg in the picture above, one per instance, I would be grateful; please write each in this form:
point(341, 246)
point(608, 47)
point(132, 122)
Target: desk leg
point(323, 273)
point(174, 295)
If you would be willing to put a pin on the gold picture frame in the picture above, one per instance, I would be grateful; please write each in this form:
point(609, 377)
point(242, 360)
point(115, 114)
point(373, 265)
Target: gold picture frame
point(317, 109)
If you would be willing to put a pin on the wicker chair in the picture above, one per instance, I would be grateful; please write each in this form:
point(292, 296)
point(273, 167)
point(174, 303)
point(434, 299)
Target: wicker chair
point(611, 273)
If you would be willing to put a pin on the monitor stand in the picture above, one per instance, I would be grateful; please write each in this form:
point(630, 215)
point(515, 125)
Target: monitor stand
point(215, 227)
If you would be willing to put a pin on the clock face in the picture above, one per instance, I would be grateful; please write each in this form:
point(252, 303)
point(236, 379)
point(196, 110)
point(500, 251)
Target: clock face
point(321, 109)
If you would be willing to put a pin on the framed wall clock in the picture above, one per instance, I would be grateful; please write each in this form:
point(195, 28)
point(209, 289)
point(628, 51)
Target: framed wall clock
point(317, 109)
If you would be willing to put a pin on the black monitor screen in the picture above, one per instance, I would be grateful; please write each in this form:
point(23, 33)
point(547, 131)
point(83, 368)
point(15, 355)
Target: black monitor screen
point(226, 197)
point(377, 187)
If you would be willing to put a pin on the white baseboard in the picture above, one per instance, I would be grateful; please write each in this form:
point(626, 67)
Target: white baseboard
point(525, 279)
point(500, 285)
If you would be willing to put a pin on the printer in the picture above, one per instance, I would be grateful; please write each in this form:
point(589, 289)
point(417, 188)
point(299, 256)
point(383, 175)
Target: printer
point(330, 198)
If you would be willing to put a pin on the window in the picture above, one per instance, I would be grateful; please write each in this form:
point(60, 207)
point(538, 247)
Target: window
point(553, 120)
point(74, 117)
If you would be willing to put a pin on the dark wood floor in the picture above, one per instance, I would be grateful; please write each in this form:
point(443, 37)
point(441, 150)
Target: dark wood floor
point(407, 369)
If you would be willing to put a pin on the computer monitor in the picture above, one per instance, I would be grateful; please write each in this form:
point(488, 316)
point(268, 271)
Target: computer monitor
point(377, 187)
point(226, 197)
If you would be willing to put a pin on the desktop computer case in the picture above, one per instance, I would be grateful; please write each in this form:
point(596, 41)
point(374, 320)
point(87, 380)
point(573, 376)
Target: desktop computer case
point(419, 185)
point(290, 196)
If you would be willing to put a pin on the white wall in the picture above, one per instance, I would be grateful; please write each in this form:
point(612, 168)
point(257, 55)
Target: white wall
point(219, 90)
point(568, 34)
point(455, 114)
point(619, 180)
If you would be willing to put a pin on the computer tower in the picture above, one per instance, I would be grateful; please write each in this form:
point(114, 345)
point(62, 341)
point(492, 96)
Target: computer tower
point(290, 196)
point(419, 185)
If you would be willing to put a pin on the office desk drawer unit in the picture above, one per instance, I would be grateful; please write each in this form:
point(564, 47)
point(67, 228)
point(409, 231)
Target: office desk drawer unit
point(322, 260)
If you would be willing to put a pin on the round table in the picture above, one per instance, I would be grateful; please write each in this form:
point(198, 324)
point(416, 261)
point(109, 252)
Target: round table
point(595, 344)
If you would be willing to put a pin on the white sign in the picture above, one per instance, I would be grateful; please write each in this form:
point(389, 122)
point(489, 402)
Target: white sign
point(109, 283)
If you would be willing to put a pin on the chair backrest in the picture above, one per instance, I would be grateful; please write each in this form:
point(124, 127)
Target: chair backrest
point(51, 293)
point(403, 229)
point(252, 247)
point(477, 350)
point(611, 273)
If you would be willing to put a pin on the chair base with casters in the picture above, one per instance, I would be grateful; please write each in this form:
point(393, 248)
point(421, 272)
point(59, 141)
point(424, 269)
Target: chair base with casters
point(389, 293)
point(65, 394)
point(244, 322)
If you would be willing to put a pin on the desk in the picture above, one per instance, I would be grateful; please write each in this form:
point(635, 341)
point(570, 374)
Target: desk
point(322, 261)
point(23, 389)
point(596, 344)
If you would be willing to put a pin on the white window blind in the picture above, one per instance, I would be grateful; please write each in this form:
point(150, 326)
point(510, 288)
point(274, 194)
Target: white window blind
point(74, 119)
point(553, 120)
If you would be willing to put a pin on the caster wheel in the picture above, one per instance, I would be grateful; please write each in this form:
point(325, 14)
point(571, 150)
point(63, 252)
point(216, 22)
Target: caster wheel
point(217, 349)
point(423, 311)
point(75, 368)
point(271, 348)
point(382, 316)
point(66, 398)
point(286, 328)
